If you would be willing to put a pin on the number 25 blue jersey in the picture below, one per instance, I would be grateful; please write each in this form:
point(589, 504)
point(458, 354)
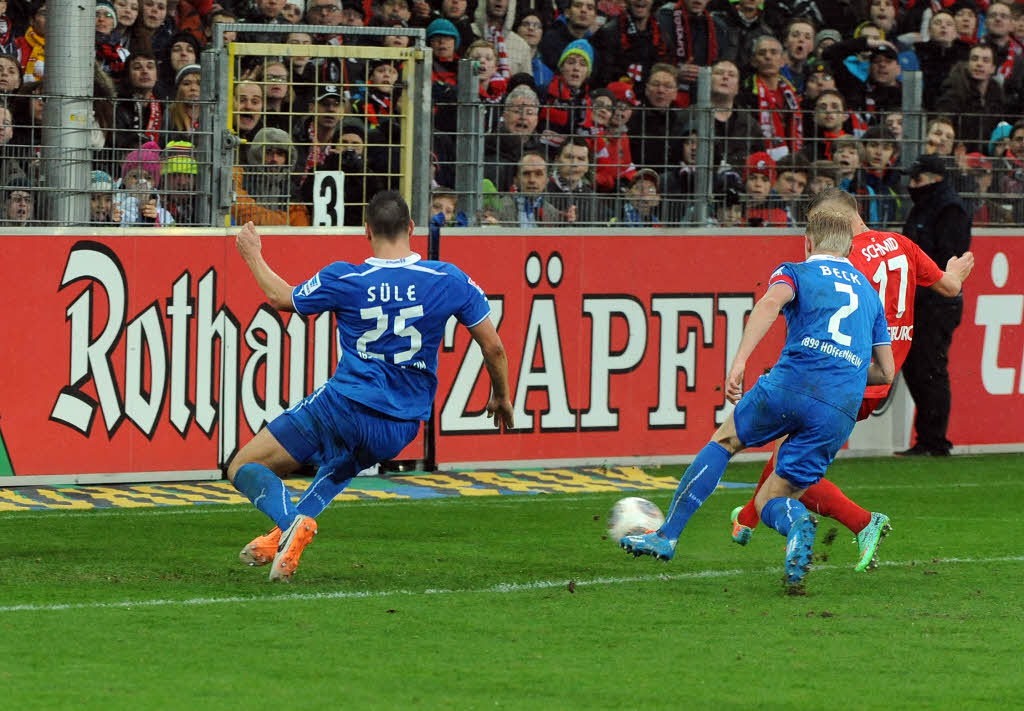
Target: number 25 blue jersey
point(391, 317)
point(833, 321)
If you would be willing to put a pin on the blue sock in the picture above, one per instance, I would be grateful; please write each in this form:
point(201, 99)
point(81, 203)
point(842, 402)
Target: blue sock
point(266, 491)
point(698, 483)
point(321, 492)
point(781, 513)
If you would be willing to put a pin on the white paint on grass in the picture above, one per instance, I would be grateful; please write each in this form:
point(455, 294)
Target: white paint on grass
point(496, 589)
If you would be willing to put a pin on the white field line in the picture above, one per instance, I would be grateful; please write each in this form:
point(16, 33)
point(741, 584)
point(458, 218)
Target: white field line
point(498, 588)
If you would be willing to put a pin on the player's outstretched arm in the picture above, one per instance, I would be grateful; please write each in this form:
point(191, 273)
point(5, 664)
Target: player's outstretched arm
point(761, 319)
point(957, 271)
point(500, 405)
point(278, 291)
point(883, 367)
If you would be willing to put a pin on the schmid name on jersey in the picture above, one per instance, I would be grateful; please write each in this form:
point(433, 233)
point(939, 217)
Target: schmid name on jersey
point(880, 249)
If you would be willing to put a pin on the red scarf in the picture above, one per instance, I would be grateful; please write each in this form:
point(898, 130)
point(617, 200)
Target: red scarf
point(1013, 50)
point(497, 38)
point(829, 137)
point(153, 125)
point(561, 103)
point(494, 90)
point(628, 30)
point(684, 38)
point(316, 154)
point(772, 121)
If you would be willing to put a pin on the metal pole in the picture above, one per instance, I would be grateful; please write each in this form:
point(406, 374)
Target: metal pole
point(913, 118)
point(70, 59)
point(705, 150)
point(205, 142)
point(469, 158)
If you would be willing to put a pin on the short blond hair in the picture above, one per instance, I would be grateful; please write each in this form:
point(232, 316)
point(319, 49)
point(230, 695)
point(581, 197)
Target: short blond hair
point(830, 231)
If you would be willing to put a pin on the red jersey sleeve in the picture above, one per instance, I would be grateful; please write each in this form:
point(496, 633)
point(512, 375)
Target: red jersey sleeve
point(925, 268)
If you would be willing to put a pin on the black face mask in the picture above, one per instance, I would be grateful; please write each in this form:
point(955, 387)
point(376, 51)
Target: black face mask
point(351, 161)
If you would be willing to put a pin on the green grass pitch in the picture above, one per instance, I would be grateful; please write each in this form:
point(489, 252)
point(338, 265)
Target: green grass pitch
point(516, 602)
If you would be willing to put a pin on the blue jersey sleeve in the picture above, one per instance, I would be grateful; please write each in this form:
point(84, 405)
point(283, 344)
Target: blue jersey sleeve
point(322, 291)
point(470, 302)
point(784, 274)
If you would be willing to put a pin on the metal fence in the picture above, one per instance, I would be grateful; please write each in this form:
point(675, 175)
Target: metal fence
point(298, 134)
point(625, 164)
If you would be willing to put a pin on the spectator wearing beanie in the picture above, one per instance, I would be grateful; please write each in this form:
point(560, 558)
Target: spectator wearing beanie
point(182, 51)
point(179, 180)
point(445, 40)
point(140, 177)
point(457, 13)
point(568, 100)
point(110, 52)
point(182, 117)
point(758, 178)
point(102, 210)
point(629, 44)
point(575, 24)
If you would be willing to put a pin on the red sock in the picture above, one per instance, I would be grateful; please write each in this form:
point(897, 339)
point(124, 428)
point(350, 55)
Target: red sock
point(828, 499)
point(748, 515)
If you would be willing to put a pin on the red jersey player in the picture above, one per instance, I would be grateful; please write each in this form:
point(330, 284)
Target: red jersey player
point(896, 266)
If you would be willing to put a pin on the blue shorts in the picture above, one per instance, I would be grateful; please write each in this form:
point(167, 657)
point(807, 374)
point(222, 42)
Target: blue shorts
point(329, 430)
point(816, 430)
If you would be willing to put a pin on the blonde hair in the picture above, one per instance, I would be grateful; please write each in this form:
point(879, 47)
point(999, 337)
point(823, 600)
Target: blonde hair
point(830, 231)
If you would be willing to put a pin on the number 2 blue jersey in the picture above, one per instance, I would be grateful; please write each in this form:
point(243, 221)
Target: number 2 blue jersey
point(833, 321)
point(391, 317)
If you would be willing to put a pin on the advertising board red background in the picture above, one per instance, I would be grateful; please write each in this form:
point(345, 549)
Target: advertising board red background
point(618, 345)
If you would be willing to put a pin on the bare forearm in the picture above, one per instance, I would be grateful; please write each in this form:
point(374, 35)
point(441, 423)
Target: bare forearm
point(497, 368)
point(760, 322)
point(277, 290)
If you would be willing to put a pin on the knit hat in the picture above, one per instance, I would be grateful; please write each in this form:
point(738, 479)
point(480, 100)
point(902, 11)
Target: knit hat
point(100, 182)
point(760, 163)
point(445, 28)
point(185, 71)
point(827, 34)
point(179, 159)
point(623, 91)
point(184, 37)
point(146, 158)
point(582, 48)
point(1003, 130)
point(110, 8)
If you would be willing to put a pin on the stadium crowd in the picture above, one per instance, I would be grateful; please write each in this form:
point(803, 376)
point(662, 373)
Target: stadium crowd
point(588, 107)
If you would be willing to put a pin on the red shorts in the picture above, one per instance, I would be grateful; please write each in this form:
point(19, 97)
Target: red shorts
point(867, 406)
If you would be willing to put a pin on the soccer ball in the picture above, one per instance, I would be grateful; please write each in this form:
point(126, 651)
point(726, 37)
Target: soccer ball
point(631, 516)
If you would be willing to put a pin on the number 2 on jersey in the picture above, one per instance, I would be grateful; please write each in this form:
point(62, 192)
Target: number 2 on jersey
point(841, 313)
point(401, 329)
point(896, 264)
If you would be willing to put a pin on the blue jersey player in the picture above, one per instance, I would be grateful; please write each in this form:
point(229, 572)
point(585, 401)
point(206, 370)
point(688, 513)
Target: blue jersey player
point(836, 324)
point(391, 312)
